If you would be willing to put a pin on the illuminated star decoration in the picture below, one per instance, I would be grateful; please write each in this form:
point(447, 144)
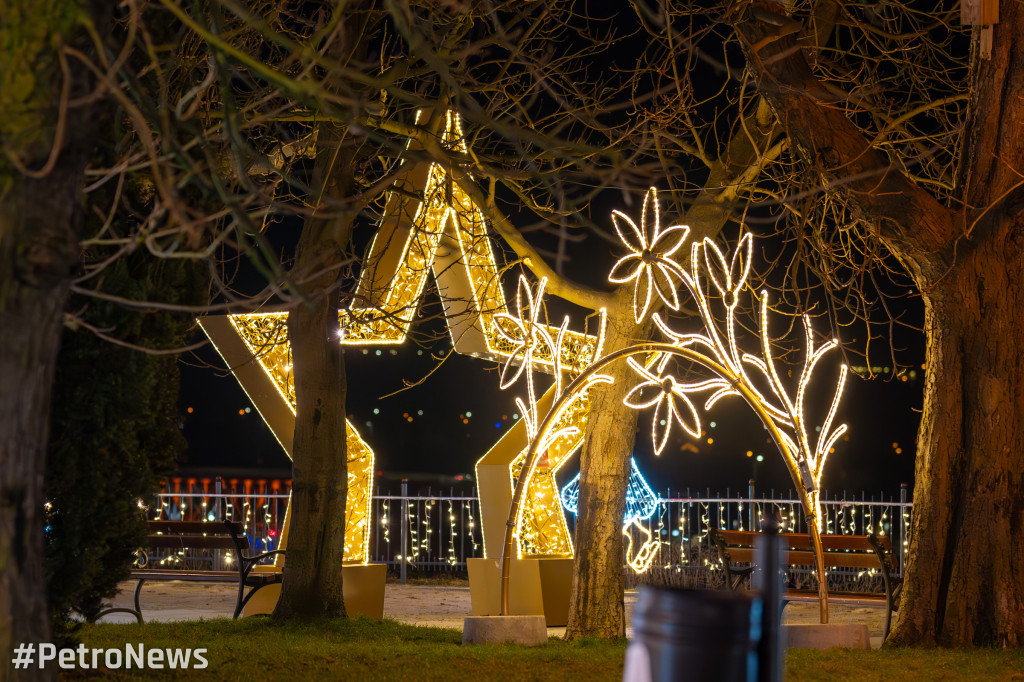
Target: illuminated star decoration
point(430, 227)
point(540, 523)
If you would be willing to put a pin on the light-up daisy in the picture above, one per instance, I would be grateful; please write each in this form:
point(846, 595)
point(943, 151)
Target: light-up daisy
point(650, 260)
point(522, 331)
point(668, 394)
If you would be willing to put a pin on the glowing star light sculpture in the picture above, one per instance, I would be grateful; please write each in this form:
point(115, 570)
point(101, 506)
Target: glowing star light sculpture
point(715, 283)
point(430, 226)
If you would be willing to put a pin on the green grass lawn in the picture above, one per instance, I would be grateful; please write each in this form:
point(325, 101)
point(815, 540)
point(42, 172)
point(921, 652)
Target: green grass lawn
point(365, 649)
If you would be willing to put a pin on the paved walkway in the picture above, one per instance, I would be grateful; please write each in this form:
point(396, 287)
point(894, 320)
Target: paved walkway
point(433, 605)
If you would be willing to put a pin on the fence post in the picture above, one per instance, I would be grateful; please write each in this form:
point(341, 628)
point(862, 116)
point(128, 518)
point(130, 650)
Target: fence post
point(217, 487)
point(217, 516)
point(750, 504)
point(903, 525)
point(405, 528)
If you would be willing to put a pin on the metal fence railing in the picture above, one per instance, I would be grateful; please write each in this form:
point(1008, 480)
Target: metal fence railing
point(437, 533)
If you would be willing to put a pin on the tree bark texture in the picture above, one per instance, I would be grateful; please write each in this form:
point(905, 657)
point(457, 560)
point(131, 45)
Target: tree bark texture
point(312, 582)
point(965, 576)
point(40, 224)
point(965, 572)
point(596, 605)
point(964, 583)
point(316, 543)
point(38, 250)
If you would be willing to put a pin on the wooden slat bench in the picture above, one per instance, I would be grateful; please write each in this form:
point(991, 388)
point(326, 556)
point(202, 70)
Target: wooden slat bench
point(222, 535)
point(867, 552)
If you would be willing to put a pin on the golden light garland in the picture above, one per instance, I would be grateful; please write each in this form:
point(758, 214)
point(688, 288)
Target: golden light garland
point(444, 233)
point(265, 337)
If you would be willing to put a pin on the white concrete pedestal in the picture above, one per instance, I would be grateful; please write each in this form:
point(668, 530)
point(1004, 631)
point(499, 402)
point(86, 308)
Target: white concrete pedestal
point(819, 636)
point(528, 630)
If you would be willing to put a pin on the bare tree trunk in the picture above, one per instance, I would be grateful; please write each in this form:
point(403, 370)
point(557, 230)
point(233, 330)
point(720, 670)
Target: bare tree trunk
point(316, 542)
point(39, 234)
point(38, 249)
point(596, 606)
point(965, 575)
point(965, 572)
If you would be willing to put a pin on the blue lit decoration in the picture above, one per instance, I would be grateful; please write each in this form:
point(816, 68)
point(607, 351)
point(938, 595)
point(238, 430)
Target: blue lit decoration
point(641, 501)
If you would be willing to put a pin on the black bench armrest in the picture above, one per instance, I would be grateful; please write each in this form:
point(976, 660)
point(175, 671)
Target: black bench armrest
point(733, 576)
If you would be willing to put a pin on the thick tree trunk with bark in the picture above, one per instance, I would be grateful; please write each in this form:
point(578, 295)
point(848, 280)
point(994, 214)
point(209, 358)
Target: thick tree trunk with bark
point(965, 576)
point(39, 233)
point(596, 606)
point(964, 582)
point(38, 250)
point(312, 584)
point(316, 541)
point(965, 572)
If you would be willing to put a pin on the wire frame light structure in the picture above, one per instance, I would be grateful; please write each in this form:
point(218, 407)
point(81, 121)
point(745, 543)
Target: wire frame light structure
point(715, 281)
point(430, 226)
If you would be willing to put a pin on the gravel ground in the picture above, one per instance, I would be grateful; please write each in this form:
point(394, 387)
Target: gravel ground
point(434, 605)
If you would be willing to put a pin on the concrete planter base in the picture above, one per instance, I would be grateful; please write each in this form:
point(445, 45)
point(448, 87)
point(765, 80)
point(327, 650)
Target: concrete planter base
point(528, 630)
point(818, 636)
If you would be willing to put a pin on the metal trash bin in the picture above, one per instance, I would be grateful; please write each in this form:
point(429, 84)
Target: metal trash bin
point(694, 635)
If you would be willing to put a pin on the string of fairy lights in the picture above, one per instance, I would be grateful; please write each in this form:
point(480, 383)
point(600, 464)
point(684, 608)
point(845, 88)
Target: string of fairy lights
point(418, 518)
point(451, 524)
point(426, 517)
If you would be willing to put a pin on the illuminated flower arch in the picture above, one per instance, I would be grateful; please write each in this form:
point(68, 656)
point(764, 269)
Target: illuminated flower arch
point(715, 282)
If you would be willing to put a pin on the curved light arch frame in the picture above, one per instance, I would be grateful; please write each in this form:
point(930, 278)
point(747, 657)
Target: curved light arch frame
point(782, 415)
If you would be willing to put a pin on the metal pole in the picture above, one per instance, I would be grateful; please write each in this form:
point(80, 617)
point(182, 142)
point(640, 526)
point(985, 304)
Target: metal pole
point(750, 512)
point(769, 583)
point(903, 525)
point(218, 485)
point(218, 517)
point(405, 529)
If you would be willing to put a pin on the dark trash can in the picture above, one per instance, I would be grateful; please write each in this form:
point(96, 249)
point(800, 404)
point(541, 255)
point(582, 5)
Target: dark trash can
point(694, 635)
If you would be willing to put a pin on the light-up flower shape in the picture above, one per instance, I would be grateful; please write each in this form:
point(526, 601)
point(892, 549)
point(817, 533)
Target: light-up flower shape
point(650, 261)
point(522, 331)
point(728, 280)
point(668, 394)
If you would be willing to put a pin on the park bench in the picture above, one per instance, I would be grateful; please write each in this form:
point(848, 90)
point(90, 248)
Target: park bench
point(866, 552)
point(213, 535)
